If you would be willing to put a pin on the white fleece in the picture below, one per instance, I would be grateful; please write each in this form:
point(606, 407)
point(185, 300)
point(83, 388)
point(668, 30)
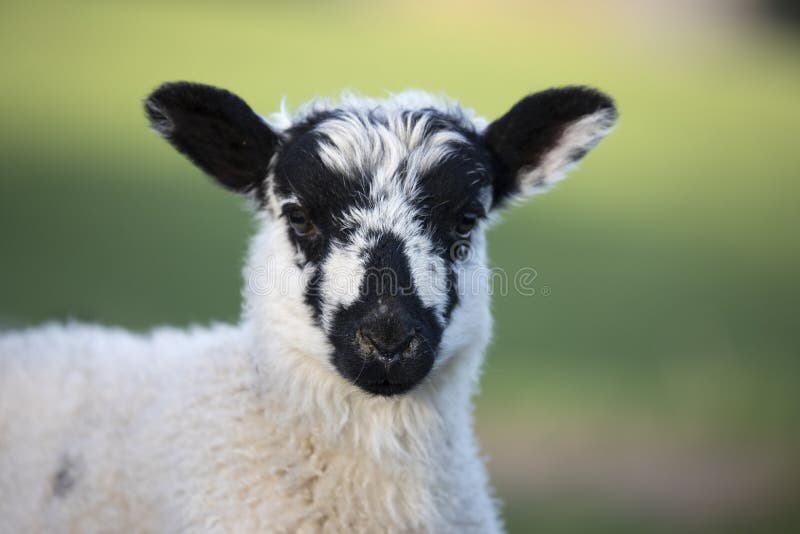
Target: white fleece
point(241, 428)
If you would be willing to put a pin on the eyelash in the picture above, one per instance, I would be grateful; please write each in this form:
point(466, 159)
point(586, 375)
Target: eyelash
point(467, 222)
point(299, 220)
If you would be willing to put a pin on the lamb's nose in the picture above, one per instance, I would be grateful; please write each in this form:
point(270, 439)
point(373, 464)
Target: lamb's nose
point(387, 339)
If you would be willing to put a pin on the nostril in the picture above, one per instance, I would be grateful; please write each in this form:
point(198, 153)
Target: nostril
point(388, 344)
point(388, 358)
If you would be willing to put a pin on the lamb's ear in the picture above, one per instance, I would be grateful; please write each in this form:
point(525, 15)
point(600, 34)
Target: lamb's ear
point(543, 135)
point(215, 129)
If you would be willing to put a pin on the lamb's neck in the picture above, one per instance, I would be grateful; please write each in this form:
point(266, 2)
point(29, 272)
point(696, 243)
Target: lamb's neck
point(302, 389)
point(412, 452)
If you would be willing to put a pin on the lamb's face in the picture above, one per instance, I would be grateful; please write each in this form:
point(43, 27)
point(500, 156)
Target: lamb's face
point(382, 208)
point(384, 204)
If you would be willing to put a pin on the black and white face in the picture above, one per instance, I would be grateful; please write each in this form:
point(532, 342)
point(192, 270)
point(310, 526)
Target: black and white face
point(384, 204)
point(381, 205)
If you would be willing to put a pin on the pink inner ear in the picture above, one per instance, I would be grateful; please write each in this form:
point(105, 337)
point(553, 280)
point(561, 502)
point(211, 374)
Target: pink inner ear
point(543, 134)
point(575, 141)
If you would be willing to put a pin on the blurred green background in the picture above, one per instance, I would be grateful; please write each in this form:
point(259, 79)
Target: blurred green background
point(653, 382)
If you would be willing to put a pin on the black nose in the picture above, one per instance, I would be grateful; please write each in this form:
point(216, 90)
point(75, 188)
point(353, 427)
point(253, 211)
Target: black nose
point(387, 338)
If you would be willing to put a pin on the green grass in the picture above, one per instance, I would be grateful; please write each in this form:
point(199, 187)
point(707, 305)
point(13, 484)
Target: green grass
point(671, 257)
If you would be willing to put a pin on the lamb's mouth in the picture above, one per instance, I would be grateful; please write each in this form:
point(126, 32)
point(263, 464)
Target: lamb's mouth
point(386, 388)
point(378, 376)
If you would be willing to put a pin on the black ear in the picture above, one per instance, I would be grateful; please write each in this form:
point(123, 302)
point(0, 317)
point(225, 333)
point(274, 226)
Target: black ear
point(215, 129)
point(543, 135)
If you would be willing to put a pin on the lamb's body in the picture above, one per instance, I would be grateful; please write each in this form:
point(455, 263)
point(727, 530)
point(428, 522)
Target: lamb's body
point(96, 422)
point(242, 428)
point(232, 429)
point(176, 431)
point(341, 402)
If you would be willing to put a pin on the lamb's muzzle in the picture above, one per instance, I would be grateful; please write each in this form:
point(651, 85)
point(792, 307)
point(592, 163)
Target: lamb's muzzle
point(387, 339)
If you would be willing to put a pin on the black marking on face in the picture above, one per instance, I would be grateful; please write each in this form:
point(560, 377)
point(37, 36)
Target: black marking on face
point(447, 189)
point(453, 187)
point(301, 174)
point(386, 307)
point(313, 294)
point(452, 292)
point(386, 341)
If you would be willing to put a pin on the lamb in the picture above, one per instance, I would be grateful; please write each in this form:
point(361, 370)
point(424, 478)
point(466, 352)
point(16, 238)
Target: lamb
point(341, 401)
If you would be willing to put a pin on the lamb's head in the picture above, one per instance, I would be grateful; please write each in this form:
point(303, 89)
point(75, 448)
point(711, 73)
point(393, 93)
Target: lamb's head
point(383, 205)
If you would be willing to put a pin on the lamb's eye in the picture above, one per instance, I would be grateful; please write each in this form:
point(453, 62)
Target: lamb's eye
point(300, 221)
point(466, 224)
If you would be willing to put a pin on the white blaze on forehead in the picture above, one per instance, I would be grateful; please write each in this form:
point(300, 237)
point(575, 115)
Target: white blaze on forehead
point(353, 148)
point(375, 145)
